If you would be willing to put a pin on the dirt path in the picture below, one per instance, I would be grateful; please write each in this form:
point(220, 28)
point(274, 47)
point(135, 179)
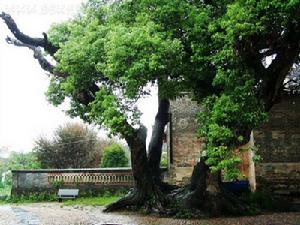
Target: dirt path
point(54, 214)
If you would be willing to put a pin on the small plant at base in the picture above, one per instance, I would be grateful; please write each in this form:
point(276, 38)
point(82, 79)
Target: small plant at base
point(58, 184)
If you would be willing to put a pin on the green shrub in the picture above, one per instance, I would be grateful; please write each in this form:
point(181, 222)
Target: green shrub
point(163, 163)
point(114, 156)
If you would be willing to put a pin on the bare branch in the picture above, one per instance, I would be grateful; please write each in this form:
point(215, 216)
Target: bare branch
point(37, 54)
point(36, 42)
point(15, 42)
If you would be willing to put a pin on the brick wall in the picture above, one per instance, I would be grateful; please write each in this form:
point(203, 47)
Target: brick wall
point(183, 145)
point(279, 146)
point(279, 138)
point(279, 141)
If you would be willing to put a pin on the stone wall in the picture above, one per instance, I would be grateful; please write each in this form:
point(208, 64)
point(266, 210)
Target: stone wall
point(279, 145)
point(26, 182)
point(183, 145)
point(278, 141)
point(279, 138)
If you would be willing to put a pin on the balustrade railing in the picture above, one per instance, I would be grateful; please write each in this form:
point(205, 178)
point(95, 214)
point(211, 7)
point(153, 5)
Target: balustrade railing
point(102, 178)
point(52, 177)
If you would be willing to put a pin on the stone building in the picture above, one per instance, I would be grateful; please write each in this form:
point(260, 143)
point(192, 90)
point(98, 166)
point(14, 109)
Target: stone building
point(278, 141)
point(279, 145)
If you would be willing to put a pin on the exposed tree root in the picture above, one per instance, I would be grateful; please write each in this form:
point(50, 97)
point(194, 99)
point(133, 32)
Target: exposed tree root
point(204, 196)
point(155, 202)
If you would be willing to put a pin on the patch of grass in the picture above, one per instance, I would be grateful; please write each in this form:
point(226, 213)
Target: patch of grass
point(92, 201)
point(106, 196)
point(43, 197)
point(104, 192)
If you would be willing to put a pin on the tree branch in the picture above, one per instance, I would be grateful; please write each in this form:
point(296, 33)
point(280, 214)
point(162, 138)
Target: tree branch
point(278, 71)
point(36, 42)
point(21, 40)
point(38, 54)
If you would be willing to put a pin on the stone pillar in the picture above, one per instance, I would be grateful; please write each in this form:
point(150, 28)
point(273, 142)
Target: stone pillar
point(184, 146)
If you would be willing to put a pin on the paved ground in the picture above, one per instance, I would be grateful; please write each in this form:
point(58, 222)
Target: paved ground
point(54, 214)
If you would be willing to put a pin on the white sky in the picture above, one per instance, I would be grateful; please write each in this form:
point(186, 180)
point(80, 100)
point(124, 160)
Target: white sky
point(24, 112)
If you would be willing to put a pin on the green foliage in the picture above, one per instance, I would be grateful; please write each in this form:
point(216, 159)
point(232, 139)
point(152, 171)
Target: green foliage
point(99, 200)
point(73, 146)
point(256, 158)
point(164, 160)
point(114, 156)
point(19, 160)
point(33, 198)
point(214, 49)
point(163, 163)
point(5, 190)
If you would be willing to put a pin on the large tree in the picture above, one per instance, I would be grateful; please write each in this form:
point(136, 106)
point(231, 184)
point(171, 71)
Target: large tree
point(232, 55)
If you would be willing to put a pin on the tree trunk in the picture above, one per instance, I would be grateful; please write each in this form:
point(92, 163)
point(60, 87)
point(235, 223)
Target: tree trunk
point(197, 186)
point(155, 145)
point(205, 195)
point(146, 193)
point(149, 188)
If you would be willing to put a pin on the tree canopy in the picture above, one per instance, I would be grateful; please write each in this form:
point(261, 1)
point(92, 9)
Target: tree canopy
point(220, 51)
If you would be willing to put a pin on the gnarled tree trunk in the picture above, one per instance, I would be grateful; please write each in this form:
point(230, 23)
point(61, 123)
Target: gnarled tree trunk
point(149, 188)
point(146, 194)
point(205, 195)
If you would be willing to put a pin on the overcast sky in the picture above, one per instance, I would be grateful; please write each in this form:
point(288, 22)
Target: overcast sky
point(24, 112)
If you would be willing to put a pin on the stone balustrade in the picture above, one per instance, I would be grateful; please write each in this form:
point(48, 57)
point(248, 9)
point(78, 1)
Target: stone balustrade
point(32, 181)
point(98, 177)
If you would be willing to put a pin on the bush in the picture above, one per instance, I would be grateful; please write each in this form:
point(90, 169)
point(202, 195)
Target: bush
point(114, 156)
point(73, 145)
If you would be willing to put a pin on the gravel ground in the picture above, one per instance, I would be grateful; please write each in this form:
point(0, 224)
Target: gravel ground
point(7, 217)
point(54, 214)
